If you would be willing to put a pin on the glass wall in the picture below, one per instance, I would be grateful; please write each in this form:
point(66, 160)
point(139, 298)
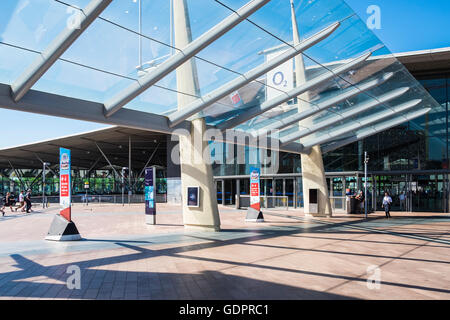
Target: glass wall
point(421, 144)
point(101, 182)
point(395, 155)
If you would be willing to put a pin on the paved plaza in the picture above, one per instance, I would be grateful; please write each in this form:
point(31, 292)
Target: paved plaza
point(287, 257)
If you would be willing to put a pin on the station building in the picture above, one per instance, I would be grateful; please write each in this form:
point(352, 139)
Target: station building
point(335, 55)
point(412, 157)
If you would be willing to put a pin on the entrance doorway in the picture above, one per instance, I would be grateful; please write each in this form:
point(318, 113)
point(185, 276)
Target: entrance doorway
point(429, 193)
point(414, 192)
point(230, 192)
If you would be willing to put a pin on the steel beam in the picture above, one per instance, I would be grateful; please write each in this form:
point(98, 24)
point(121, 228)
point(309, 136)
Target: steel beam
point(95, 163)
point(122, 98)
point(107, 160)
point(72, 108)
point(36, 155)
point(228, 88)
point(145, 166)
point(367, 132)
point(311, 84)
point(360, 123)
point(57, 48)
point(17, 174)
point(355, 110)
point(326, 104)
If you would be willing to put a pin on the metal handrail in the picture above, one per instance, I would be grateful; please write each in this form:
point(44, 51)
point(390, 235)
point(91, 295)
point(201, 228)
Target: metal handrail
point(265, 203)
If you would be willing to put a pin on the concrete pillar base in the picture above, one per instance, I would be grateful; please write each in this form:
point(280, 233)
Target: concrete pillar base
point(192, 227)
point(319, 215)
point(314, 178)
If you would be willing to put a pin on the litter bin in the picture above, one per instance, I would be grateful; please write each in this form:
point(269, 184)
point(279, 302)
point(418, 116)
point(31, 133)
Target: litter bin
point(313, 201)
point(347, 204)
point(353, 205)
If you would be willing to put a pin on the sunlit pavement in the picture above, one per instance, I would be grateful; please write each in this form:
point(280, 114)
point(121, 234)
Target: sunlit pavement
point(287, 257)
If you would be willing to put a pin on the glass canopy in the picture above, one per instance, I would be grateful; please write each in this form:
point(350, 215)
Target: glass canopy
point(132, 37)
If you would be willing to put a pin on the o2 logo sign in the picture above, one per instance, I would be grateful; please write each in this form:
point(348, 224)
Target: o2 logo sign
point(278, 79)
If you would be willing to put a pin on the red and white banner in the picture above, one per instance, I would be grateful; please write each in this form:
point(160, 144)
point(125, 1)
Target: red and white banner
point(65, 183)
point(255, 188)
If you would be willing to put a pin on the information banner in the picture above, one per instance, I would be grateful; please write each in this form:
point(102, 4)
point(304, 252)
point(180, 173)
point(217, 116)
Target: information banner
point(150, 196)
point(65, 183)
point(255, 188)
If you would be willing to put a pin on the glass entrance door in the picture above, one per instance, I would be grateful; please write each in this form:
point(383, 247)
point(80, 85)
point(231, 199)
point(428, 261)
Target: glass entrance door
point(397, 187)
point(289, 191)
point(278, 187)
point(337, 193)
point(299, 193)
point(230, 192)
point(413, 192)
point(429, 193)
point(266, 187)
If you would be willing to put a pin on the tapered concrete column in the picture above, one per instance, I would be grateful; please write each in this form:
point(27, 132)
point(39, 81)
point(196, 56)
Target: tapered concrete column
point(196, 169)
point(313, 172)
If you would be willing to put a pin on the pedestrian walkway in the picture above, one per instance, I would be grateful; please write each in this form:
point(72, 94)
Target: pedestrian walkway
point(287, 257)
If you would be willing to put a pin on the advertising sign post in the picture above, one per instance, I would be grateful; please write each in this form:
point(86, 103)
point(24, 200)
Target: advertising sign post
point(86, 187)
point(254, 213)
point(150, 195)
point(65, 184)
point(63, 228)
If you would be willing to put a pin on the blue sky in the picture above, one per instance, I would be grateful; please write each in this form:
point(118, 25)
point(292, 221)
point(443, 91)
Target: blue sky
point(405, 25)
point(409, 25)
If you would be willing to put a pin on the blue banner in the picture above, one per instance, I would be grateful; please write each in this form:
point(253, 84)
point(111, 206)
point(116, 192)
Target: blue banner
point(150, 190)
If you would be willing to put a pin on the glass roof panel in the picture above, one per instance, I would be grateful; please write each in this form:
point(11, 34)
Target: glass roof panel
point(350, 40)
point(32, 24)
point(111, 54)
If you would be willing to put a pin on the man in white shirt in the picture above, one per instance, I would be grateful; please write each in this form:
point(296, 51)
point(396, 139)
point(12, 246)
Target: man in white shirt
point(387, 201)
point(21, 204)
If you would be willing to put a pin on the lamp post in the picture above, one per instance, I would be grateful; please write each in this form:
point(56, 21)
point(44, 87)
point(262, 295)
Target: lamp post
point(44, 164)
point(366, 160)
point(123, 184)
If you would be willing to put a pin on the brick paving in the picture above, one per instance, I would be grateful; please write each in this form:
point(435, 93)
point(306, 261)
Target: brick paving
point(287, 257)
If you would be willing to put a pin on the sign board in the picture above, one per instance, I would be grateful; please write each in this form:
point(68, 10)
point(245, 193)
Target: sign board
point(86, 184)
point(62, 227)
point(150, 196)
point(236, 99)
point(65, 183)
point(255, 174)
point(193, 199)
point(280, 78)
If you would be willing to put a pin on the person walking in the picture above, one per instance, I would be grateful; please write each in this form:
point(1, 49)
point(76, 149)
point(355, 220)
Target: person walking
point(360, 198)
point(7, 202)
point(28, 201)
point(21, 204)
point(387, 201)
point(402, 198)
